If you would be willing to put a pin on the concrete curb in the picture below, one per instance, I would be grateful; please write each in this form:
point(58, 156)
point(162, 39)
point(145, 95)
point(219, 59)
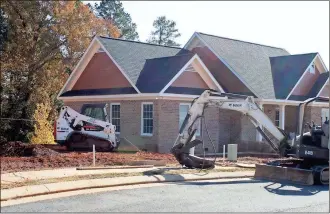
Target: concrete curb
point(115, 167)
point(148, 162)
point(242, 165)
point(35, 190)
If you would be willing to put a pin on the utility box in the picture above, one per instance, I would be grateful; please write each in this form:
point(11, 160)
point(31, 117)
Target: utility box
point(232, 152)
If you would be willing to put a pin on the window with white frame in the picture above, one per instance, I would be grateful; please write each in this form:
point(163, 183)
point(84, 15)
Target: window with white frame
point(312, 68)
point(147, 119)
point(277, 117)
point(183, 111)
point(115, 116)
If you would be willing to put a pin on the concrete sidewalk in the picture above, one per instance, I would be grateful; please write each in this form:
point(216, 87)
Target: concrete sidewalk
point(18, 177)
point(62, 173)
point(35, 190)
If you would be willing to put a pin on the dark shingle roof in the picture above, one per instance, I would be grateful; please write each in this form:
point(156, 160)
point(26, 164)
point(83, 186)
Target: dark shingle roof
point(318, 84)
point(249, 60)
point(287, 70)
point(131, 55)
point(157, 72)
point(103, 91)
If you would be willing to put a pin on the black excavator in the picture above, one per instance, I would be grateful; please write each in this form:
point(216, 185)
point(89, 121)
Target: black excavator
point(307, 154)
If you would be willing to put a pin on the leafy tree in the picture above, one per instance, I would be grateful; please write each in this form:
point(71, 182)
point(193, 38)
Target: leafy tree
point(113, 11)
point(44, 40)
point(165, 32)
point(42, 128)
point(3, 29)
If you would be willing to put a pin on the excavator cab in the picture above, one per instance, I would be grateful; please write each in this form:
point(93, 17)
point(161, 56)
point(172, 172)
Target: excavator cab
point(314, 144)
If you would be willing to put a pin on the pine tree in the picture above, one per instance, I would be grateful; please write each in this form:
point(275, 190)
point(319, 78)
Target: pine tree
point(114, 12)
point(165, 32)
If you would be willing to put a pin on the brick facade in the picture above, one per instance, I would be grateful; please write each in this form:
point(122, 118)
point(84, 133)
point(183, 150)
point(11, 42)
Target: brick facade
point(224, 126)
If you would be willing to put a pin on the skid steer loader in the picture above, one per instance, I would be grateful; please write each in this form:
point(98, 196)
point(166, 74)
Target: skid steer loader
point(80, 132)
point(309, 152)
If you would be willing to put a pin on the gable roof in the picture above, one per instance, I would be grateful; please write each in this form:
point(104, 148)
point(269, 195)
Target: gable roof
point(318, 85)
point(131, 55)
point(249, 60)
point(157, 72)
point(287, 70)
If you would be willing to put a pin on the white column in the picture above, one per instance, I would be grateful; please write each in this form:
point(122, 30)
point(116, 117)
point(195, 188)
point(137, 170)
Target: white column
point(259, 136)
point(282, 116)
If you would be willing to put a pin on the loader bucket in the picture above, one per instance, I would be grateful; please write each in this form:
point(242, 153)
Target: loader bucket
point(284, 174)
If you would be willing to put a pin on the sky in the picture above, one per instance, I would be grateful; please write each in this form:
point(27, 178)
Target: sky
point(298, 27)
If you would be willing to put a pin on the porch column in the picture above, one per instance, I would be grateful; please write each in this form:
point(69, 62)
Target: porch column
point(282, 116)
point(259, 136)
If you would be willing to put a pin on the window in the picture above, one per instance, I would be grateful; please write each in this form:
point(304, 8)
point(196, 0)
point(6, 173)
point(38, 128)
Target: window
point(277, 117)
point(147, 119)
point(115, 116)
point(312, 69)
point(325, 114)
point(183, 111)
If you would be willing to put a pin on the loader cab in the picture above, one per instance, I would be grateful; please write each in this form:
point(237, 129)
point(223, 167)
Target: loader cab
point(97, 111)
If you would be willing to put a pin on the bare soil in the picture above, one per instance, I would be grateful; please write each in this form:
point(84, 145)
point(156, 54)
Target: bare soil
point(17, 156)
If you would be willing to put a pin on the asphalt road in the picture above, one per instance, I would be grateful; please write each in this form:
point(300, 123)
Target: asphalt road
point(203, 196)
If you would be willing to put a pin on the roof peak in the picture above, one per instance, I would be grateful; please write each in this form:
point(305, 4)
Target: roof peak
point(145, 43)
point(240, 40)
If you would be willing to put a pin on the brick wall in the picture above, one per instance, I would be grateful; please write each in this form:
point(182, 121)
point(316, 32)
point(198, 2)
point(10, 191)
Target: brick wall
point(168, 122)
point(218, 122)
point(131, 124)
point(215, 130)
point(291, 118)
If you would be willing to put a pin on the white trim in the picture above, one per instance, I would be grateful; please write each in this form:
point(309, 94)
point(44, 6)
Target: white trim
point(296, 85)
point(111, 104)
point(318, 94)
point(169, 96)
point(105, 97)
point(282, 117)
point(147, 103)
point(226, 64)
point(190, 40)
point(195, 57)
point(325, 67)
point(199, 125)
point(121, 70)
point(77, 66)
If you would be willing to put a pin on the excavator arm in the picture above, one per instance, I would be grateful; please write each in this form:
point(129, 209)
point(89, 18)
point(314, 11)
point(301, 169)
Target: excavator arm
point(244, 104)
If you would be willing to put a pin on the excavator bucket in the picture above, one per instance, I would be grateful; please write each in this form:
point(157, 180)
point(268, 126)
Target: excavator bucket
point(284, 174)
point(181, 153)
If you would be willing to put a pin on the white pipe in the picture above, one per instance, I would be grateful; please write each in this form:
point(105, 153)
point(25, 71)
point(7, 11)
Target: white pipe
point(224, 152)
point(93, 154)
